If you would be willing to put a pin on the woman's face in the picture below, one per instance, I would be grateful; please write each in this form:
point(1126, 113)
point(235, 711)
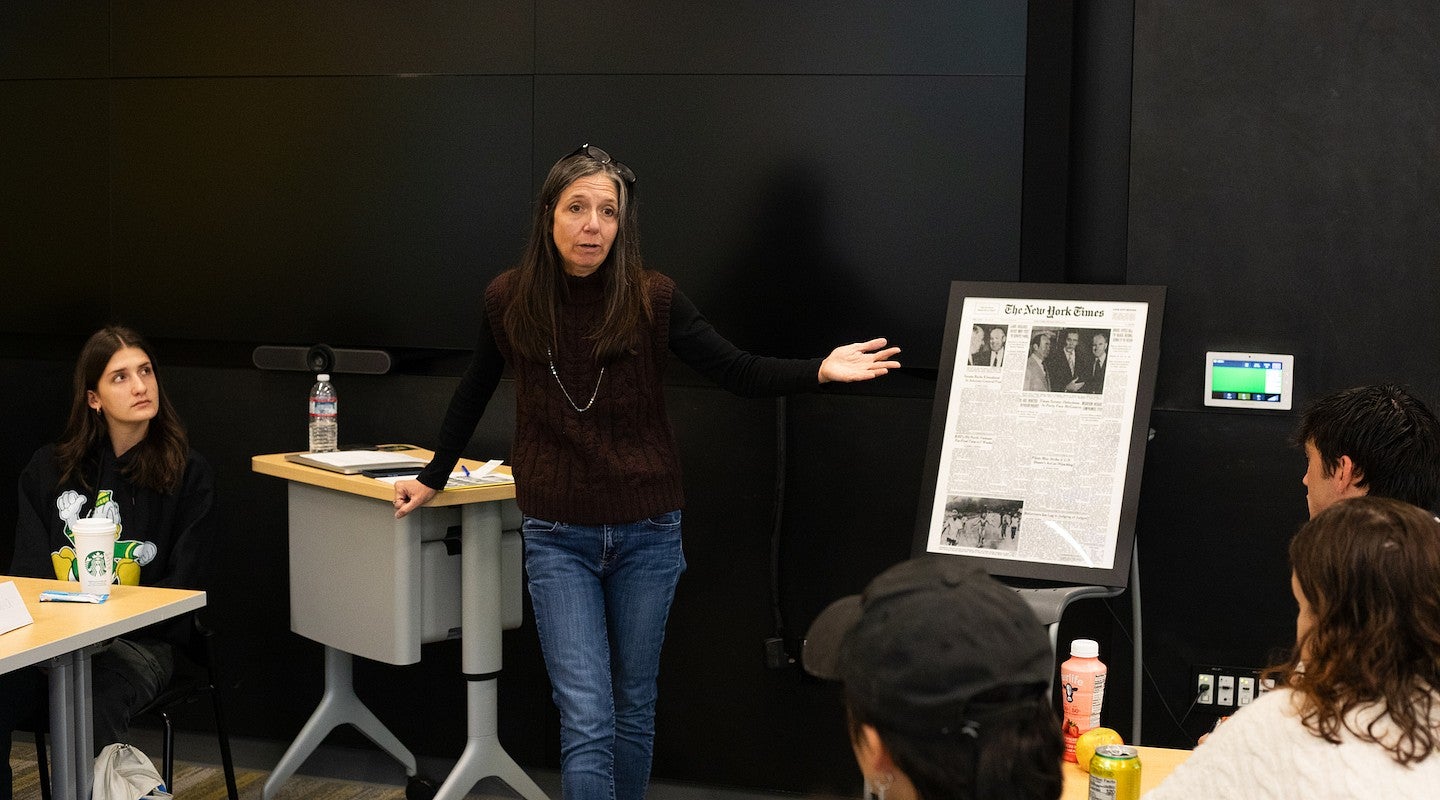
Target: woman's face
point(127, 392)
point(587, 216)
point(1305, 615)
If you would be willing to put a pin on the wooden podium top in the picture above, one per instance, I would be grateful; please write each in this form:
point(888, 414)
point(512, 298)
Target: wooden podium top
point(276, 465)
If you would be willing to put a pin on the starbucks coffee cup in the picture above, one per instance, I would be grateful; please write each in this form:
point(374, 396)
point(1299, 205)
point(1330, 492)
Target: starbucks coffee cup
point(94, 554)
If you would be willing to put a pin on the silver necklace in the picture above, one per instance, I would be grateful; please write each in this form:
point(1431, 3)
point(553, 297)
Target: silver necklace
point(551, 358)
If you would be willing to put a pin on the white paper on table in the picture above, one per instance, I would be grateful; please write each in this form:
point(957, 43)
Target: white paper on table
point(480, 476)
point(13, 613)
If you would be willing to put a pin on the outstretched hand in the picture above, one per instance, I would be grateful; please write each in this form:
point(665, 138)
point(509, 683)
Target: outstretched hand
point(858, 362)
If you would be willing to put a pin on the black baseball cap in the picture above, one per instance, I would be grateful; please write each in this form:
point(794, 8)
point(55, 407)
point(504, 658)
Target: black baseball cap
point(932, 647)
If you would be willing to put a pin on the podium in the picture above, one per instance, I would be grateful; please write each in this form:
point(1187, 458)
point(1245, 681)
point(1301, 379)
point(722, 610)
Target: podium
point(395, 591)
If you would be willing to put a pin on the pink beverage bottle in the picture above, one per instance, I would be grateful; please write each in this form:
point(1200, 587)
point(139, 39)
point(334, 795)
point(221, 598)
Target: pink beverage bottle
point(1082, 689)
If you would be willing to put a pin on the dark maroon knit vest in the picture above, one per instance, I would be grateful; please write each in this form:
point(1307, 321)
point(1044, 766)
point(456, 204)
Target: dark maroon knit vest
point(617, 460)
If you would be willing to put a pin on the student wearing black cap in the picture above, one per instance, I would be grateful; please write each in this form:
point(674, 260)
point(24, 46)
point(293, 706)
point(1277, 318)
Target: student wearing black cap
point(946, 675)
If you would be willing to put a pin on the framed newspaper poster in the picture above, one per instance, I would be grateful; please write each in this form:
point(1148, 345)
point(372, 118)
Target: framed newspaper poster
point(1037, 438)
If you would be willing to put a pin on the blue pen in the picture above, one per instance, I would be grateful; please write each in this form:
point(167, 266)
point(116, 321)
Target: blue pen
point(465, 470)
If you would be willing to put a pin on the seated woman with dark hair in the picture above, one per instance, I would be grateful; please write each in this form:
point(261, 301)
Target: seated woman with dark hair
point(1356, 713)
point(946, 675)
point(124, 456)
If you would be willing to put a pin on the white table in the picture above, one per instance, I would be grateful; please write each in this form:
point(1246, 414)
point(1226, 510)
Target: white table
point(62, 637)
point(395, 591)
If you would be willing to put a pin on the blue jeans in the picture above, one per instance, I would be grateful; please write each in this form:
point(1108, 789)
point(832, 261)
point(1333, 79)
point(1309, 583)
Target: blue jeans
point(602, 595)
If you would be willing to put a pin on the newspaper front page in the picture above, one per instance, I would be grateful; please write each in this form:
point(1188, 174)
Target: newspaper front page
point(1033, 460)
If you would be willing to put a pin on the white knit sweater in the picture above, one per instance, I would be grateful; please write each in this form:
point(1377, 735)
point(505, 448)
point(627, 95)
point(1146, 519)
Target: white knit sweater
point(1264, 751)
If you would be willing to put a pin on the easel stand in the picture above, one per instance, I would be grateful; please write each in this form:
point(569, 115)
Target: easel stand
point(1049, 604)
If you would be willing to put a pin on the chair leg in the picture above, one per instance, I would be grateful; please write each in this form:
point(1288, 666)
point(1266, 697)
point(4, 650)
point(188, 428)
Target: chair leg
point(224, 735)
point(43, 763)
point(167, 752)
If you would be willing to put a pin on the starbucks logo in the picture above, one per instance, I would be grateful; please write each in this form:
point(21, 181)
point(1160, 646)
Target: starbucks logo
point(95, 564)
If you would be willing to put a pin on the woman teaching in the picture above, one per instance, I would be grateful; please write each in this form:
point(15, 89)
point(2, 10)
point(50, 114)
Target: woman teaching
point(586, 330)
point(124, 456)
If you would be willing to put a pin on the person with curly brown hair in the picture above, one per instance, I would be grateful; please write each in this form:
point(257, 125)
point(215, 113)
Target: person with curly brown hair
point(1357, 708)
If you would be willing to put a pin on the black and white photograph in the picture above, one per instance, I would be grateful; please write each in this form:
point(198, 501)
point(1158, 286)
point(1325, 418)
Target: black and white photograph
point(981, 523)
point(987, 345)
point(1069, 360)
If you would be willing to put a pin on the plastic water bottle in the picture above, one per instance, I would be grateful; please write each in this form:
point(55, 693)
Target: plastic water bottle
point(324, 416)
point(1082, 687)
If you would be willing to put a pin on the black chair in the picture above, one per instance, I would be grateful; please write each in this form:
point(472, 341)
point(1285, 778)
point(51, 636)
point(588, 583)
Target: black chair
point(197, 672)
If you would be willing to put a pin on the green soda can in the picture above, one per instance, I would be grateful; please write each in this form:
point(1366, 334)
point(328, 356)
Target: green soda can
point(1115, 773)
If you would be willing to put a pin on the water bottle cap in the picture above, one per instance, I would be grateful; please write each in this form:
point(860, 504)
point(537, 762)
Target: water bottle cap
point(323, 377)
point(1085, 648)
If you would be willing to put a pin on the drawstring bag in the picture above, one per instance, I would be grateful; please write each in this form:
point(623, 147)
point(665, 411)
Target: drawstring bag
point(123, 772)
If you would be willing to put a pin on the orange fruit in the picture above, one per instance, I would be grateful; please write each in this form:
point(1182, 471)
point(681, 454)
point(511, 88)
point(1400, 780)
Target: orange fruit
point(1091, 739)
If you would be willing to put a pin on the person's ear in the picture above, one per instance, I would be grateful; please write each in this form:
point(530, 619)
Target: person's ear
point(875, 756)
point(1348, 477)
point(92, 399)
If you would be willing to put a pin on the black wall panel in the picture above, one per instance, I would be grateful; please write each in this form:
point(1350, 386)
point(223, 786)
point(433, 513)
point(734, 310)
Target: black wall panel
point(353, 173)
point(852, 487)
point(1284, 186)
point(54, 205)
point(38, 393)
point(40, 39)
point(842, 216)
point(344, 210)
point(840, 37)
point(321, 37)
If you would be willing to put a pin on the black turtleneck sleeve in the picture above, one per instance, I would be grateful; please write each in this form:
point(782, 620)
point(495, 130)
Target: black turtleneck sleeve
point(696, 342)
point(467, 405)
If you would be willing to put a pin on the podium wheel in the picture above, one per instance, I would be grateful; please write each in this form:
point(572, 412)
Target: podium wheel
point(419, 787)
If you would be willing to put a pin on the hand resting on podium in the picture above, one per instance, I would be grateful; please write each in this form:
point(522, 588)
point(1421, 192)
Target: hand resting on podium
point(410, 495)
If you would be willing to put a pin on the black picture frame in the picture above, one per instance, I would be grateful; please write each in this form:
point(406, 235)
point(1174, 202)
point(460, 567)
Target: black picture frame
point(1132, 388)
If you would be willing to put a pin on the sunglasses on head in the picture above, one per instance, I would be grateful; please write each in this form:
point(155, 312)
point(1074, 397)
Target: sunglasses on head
point(591, 151)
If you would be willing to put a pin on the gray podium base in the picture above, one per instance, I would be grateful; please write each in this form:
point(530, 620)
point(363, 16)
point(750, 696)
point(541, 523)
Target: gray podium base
point(339, 706)
point(480, 650)
point(483, 757)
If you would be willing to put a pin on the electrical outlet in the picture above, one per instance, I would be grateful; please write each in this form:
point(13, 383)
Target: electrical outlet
point(1205, 688)
point(1244, 691)
point(1225, 690)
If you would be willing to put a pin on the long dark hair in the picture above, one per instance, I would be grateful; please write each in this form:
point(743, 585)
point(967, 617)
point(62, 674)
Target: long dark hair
point(531, 319)
point(159, 459)
point(1015, 754)
point(1369, 568)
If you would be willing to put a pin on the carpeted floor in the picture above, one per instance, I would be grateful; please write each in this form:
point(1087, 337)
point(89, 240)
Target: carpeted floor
point(207, 782)
point(204, 782)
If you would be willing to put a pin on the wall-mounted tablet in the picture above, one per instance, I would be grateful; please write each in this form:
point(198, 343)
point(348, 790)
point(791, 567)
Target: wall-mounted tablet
point(1261, 381)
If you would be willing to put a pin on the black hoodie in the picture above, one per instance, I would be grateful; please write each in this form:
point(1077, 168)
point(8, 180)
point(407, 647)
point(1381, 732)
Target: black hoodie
point(167, 536)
